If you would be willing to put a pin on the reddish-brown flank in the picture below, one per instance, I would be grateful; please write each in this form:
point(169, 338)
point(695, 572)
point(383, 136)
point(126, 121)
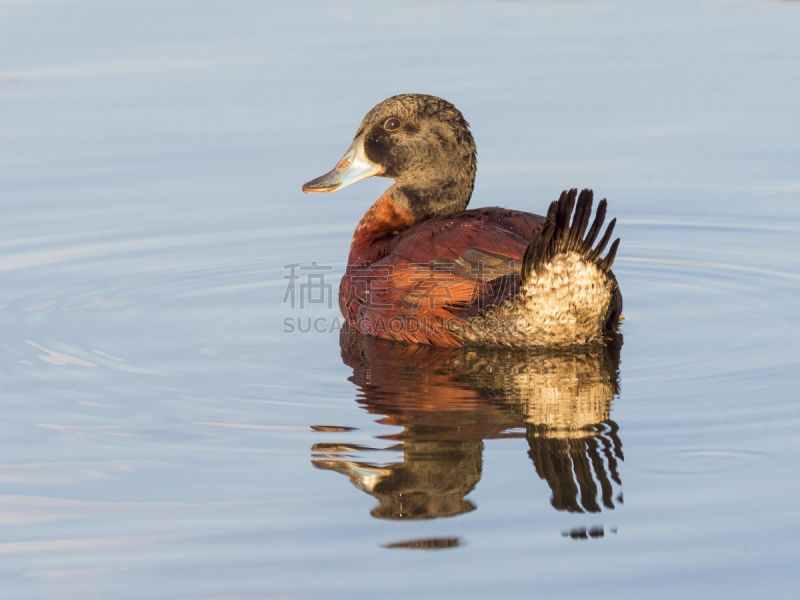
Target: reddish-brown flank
point(405, 281)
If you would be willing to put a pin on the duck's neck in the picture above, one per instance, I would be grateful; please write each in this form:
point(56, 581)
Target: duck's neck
point(435, 193)
point(385, 219)
point(411, 200)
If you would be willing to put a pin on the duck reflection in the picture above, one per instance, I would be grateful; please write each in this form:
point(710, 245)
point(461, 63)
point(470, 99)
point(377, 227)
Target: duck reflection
point(448, 401)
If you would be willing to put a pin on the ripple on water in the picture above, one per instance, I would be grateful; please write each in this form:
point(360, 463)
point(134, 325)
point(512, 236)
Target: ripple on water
point(707, 461)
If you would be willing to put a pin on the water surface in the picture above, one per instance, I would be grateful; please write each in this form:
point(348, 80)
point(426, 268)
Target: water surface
point(164, 436)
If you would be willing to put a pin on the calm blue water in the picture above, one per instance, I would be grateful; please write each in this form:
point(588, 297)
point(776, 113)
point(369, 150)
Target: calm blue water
point(164, 436)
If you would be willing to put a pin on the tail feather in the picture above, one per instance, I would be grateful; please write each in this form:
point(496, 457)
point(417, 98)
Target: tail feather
point(594, 256)
point(600, 216)
point(583, 212)
point(563, 211)
point(557, 236)
point(606, 263)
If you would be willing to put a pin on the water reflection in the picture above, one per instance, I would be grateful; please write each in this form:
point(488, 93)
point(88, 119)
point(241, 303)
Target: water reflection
point(448, 401)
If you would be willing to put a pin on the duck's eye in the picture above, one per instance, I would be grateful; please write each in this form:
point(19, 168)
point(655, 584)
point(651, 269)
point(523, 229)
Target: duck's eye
point(392, 124)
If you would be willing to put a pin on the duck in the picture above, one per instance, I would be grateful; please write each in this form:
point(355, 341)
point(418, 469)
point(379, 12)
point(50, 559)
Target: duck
point(425, 269)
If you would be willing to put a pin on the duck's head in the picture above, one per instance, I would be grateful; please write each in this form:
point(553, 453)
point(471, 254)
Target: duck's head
point(420, 141)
